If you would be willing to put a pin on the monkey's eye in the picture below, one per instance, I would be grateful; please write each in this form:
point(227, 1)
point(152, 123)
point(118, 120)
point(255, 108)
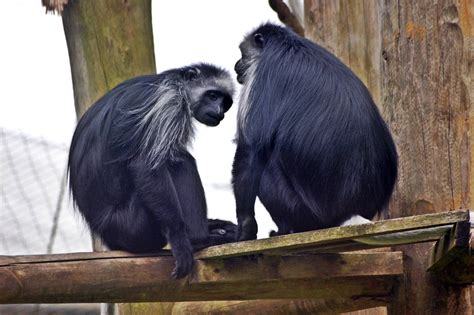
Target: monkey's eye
point(212, 96)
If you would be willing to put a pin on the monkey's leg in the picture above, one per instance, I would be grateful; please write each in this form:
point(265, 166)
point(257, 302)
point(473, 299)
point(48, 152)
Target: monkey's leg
point(131, 227)
point(246, 171)
point(193, 204)
point(157, 191)
point(192, 199)
point(279, 198)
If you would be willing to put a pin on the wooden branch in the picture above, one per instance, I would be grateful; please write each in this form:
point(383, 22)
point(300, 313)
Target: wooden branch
point(339, 236)
point(96, 277)
point(452, 258)
point(286, 17)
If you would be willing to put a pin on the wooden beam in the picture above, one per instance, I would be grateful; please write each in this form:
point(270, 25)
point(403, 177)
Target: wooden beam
point(333, 236)
point(96, 277)
point(452, 259)
point(261, 307)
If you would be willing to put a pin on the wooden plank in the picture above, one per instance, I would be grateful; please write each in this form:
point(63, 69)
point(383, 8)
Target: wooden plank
point(300, 241)
point(261, 307)
point(452, 257)
point(36, 259)
point(329, 240)
point(146, 279)
point(428, 234)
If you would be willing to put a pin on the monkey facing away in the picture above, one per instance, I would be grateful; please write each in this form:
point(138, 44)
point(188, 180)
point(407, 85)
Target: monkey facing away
point(311, 143)
point(130, 172)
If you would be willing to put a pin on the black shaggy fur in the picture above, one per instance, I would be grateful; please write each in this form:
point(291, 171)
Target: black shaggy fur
point(130, 172)
point(312, 144)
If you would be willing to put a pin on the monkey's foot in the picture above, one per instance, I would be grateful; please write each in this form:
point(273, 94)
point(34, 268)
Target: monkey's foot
point(280, 232)
point(184, 263)
point(247, 229)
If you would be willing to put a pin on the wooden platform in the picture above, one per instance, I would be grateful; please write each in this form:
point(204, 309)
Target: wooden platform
point(313, 265)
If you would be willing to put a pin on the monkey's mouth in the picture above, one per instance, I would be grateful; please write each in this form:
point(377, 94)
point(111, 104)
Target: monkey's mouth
point(212, 120)
point(239, 69)
point(240, 78)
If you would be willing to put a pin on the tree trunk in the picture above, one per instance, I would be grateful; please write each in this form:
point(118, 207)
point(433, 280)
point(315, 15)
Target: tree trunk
point(417, 60)
point(108, 41)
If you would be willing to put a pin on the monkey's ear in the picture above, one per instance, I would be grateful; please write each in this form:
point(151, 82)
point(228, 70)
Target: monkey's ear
point(191, 74)
point(259, 40)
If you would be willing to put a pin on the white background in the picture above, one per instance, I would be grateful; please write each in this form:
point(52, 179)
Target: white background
point(36, 91)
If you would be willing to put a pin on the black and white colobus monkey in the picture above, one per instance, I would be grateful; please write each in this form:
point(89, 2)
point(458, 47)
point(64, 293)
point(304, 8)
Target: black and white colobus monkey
point(130, 172)
point(311, 142)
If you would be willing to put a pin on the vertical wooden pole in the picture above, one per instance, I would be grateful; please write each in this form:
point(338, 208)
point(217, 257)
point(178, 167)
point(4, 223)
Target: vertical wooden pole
point(417, 58)
point(108, 42)
point(426, 89)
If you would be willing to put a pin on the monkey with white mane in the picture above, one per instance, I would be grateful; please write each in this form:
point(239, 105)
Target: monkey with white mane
point(130, 172)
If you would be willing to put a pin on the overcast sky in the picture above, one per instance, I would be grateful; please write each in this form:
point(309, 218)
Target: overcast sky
point(35, 82)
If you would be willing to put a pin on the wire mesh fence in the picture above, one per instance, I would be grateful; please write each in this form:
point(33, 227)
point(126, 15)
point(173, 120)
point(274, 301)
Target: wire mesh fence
point(36, 214)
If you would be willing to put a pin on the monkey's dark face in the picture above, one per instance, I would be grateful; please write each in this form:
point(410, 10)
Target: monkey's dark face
point(211, 107)
point(250, 48)
point(209, 93)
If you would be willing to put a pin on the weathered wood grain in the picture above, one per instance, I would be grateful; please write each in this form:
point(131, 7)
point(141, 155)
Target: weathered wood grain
point(426, 92)
point(423, 81)
point(146, 279)
point(108, 42)
point(452, 259)
point(350, 29)
point(261, 307)
point(314, 239)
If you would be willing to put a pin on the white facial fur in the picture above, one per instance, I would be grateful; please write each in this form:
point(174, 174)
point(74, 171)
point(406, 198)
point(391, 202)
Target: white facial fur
point(244, 100)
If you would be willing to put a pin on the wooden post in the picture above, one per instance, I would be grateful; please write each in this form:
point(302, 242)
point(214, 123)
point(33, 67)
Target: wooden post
point(417, 58)
point(108, 42)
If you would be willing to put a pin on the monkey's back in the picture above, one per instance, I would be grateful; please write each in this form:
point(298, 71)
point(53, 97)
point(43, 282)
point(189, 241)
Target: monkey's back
point(311, 113)
point(98, 163)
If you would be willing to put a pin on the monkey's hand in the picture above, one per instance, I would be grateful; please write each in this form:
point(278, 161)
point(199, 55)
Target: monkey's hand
point(221, 232)
point(247, 229)
point(184, 261)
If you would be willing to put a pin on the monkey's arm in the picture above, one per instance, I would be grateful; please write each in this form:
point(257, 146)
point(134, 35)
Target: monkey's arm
point(157, 191)
point(247, 170)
